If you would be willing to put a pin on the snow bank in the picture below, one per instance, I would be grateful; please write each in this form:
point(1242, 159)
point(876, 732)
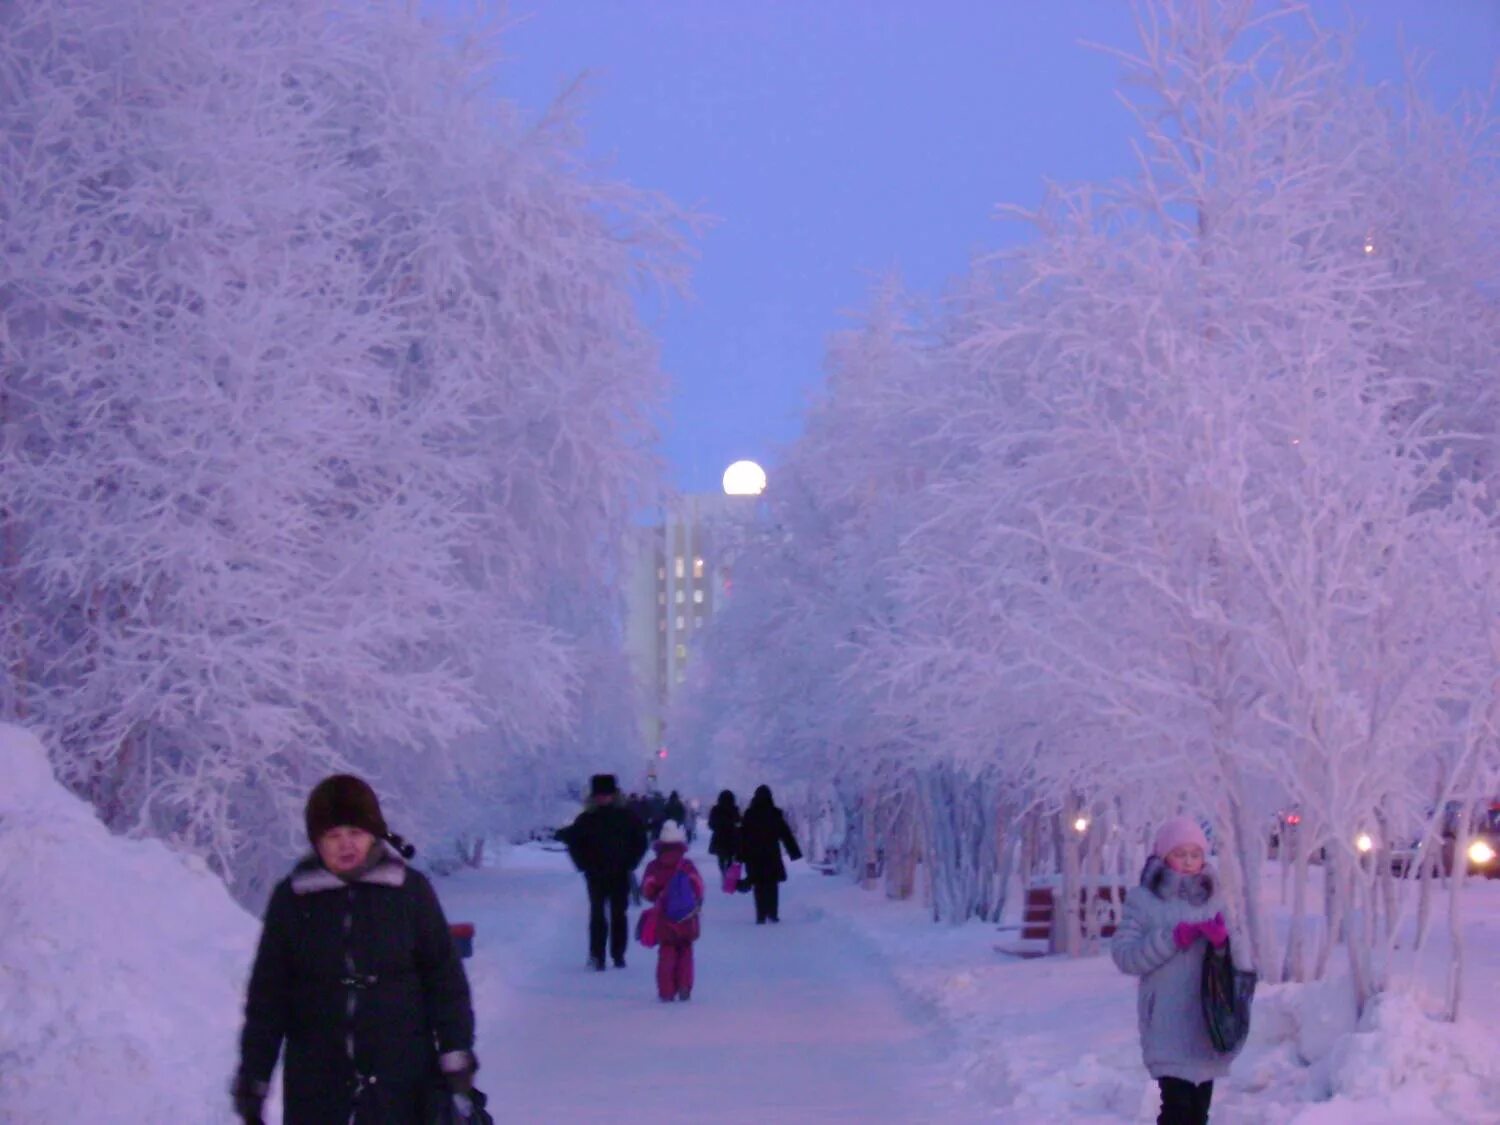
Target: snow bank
point(122, 964)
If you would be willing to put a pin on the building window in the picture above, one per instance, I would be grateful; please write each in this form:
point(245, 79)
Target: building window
point(681, 676)
point(661, 624)
point(697, 620)
point(681, 596)
point(661, 574)
point(698, 597)
point(681, 652)
point(661, 598)
point(681, 621)
point(681, 567)
point(698, 567)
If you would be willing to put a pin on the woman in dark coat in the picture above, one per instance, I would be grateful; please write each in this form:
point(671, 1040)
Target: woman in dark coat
point(763, 833)
point(358, 974)
point(724, 830)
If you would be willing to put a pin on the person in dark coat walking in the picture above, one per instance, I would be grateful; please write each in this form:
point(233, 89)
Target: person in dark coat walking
point(674, 810)
point(358, 976)
point(724, 830)
point(606, 843)
point(763, 833)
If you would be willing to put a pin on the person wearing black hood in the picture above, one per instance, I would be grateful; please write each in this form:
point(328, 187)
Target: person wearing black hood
point(724, 830)
point(763, 833)
point(674, 810)
point(358, 975)
point(606, 843)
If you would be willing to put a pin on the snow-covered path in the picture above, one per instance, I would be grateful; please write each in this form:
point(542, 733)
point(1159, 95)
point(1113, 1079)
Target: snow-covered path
point(799, 1022)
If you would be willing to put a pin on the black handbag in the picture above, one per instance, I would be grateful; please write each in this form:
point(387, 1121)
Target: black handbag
point(1227, 996)
point(445, 1110)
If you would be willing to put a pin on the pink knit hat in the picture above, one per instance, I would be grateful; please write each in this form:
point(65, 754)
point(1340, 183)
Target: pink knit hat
point(1176, 832)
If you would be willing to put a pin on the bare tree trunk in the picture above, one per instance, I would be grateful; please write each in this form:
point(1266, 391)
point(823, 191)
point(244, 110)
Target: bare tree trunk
point(1093, 881)
point(1455, 927)
point(1334, 913)
point(1296, 943)
point(1067, 899)
point(1249, 851)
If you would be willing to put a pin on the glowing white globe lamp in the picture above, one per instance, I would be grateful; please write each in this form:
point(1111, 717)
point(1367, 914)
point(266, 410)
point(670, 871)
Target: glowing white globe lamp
point(744, 478)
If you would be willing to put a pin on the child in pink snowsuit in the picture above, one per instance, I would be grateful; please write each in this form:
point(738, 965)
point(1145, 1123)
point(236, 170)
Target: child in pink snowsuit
point(674, 948)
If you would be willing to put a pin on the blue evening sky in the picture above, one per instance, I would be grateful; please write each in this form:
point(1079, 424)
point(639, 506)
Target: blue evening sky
point(836, 141)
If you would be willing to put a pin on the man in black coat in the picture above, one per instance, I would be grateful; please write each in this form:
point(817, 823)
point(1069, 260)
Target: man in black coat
point(606, 843)
point(357, 974)
point(763, 833)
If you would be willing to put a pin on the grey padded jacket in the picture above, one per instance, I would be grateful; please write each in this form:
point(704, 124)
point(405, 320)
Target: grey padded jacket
point(1169, 1004)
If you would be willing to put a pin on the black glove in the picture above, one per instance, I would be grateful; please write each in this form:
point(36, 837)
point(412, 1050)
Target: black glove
point(248, 1096)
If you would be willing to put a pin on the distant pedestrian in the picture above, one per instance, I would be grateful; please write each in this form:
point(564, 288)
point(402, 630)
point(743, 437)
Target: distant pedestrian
point(606, 843)
point(358, 976)
point(655, 813)
point(763, 833)
point(674, 810)
point(675, 889)
point(724, 830)
point(1171, 921)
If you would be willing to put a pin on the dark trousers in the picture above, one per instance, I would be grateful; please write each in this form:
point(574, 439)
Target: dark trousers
point(724, 862)
point(615, 892)
point(767, 899)
point(1183, 1102)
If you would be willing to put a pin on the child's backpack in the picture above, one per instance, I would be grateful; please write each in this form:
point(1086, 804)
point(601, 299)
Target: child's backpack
point(679, 902)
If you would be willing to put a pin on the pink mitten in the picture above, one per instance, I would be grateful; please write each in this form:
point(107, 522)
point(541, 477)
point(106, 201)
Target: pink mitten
point(1215, 931)
point(1185, 933)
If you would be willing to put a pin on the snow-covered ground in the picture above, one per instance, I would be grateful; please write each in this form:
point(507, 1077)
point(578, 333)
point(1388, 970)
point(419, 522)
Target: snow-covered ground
point(122, 968)
point(797, 1022)
point(859, 1008)
point(1054, 1039)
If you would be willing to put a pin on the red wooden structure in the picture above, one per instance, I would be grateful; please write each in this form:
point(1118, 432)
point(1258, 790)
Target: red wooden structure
point(463, 937)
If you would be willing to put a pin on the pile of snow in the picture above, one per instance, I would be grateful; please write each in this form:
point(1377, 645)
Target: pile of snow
point(122, 964)
point(1397, 1064)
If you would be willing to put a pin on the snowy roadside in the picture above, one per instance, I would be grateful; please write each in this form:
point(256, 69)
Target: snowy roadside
point(1051, 1039)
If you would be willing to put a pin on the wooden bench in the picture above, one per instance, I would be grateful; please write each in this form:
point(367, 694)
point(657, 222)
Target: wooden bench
point(1040, 932)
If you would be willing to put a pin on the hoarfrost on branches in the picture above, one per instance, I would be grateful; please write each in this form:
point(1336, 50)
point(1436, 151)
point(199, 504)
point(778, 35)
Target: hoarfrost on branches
point(1179, 507)
point(322, 371)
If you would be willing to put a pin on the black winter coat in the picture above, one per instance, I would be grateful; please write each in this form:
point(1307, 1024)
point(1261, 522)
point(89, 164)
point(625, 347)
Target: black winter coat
point(763, 832)
point(724, 824)
point(369, 963)
point(605, 842)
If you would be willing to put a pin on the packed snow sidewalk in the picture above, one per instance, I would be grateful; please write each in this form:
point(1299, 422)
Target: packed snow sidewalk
point(797, 1022)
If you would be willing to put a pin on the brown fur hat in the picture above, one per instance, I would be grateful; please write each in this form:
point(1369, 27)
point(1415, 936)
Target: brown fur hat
point(343, 801)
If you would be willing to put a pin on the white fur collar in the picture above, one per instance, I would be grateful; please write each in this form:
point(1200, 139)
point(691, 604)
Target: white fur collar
point(310, 876)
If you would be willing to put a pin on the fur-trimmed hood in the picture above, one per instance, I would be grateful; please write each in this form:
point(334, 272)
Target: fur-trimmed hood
point(1167, 884)
point(388, 869)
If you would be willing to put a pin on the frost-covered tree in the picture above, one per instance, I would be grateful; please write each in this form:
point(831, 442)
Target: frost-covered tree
point(322, 369)
point(1203, 472)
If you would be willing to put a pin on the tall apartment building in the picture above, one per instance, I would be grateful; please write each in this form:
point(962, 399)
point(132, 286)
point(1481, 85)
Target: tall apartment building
point(680, 572)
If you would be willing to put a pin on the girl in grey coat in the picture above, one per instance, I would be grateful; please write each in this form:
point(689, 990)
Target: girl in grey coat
point(1170, 921)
